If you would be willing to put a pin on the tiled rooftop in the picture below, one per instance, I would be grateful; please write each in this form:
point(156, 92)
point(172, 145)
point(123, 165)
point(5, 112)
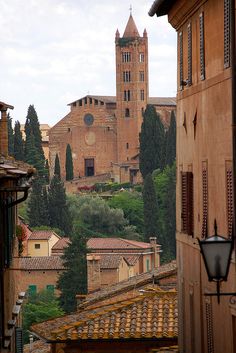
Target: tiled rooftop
point(116, 243)
point(151, 315)
point(110, 261)
point(61, 244)
point(37, 347)
point(164, 271)
point(42, 235)
point(41, 263)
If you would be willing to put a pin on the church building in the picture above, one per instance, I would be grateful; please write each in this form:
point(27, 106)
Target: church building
point(103, 131)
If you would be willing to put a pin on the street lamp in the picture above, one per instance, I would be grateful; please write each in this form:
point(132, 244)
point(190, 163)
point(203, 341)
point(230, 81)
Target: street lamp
point(216, 251)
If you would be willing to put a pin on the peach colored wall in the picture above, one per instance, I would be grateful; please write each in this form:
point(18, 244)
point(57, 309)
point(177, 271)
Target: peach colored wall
point(45, 246)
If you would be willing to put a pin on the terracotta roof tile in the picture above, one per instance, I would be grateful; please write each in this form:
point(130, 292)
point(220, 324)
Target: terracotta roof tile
point(151, 315)
point(110, 261)
point(116, 243)
point(41, 263)
point(61, 244)
point(42, 235)
point(131, 30)
point(131, 260)
point(37, 347)
point(164, 271)
point(162, 101)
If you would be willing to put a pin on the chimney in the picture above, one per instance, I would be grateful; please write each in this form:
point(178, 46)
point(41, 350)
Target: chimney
point(93, 271)
point(4, 129)
point(156, 253)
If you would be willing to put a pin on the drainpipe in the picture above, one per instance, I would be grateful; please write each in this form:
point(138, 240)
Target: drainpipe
point(233, 67)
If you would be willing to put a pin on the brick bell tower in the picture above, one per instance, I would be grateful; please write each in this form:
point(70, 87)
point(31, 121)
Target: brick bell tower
point(131, 89)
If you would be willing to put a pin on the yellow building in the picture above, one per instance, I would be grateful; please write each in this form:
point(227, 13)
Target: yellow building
point(40, 243)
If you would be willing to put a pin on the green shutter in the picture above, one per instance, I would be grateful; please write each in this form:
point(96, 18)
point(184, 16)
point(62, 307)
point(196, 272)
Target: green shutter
point(32, 289)
point(19, 340)
point(50, 288)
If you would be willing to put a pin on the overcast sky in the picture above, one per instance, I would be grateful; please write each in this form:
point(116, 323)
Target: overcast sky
point(54, 52)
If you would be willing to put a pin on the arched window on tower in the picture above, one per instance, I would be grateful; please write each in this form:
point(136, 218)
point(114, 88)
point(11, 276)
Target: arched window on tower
point(127, 95)
point(127, 115)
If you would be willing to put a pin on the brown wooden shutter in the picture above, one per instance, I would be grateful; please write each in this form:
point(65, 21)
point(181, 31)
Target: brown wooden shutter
point(204, 201)
point(181, 78)
point(209, 323)
point(229, 187)
point(189, 54)
point(226, 33)
point(202, 46)
point(187, 203)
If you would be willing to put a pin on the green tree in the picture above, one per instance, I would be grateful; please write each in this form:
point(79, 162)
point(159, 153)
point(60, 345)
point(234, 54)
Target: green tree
point(165, 184)
point(32, 126)
point(132, 205)
point(10, 136)
point(94, 217)
point(18, 151)
point(74, 279)
point(46, 171)
point(57, 168)
point(170, 150)
point(151, 140)
point(39, 307)
point(59, 214)
point(150, 209)
point(69, 164)
point(37, 210)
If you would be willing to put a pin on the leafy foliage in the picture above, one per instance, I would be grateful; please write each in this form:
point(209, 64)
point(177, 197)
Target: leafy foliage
point(74, 280)
point(69, 164)
point(150, 208)
point(18, 151)
point(165, 183)
point(132, 205)
point(151, 140)
point(39, 307)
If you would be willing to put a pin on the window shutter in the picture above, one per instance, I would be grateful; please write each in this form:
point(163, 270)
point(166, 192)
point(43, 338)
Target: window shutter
point(189, 54)
point(229, 181)
point(181, 60)
point(187, 203)
point(227, 33)
point(202, 46)
point(19, 339)
point(9, 211)
point(209, 323)
point(204, 201)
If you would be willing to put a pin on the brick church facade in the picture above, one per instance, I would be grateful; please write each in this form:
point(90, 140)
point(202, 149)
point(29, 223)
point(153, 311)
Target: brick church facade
point(103, 131)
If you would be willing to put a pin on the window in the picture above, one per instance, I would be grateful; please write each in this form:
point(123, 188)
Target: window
point(142, 94)
point(127, 145)
point(127, 95)
point(202, 46)
point(126, 57)
point(37, 246)
point(147, 265)
point(141, 76)
point(127, 114)
point(181, 60)
point(50, 288)
point(32, 289)
point(126, 76)
point(187, 202)
point(226, 34)
point(204, 200)
point(141, 57)
point(189, 54)
point(9, 221)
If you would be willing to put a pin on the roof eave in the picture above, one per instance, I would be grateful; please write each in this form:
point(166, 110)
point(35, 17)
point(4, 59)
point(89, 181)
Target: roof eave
point(160, 7)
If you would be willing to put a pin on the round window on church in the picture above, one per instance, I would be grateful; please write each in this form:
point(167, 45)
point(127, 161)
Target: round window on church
point(88, 119)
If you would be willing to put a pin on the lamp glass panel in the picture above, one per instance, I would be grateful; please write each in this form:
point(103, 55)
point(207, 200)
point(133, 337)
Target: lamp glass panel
point(217, 257)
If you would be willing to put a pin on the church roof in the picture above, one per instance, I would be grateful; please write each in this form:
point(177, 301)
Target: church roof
point(162, 101)
point(131, 29)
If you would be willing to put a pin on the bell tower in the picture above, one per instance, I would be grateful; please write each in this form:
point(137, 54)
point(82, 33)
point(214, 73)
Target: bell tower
point(131, 89)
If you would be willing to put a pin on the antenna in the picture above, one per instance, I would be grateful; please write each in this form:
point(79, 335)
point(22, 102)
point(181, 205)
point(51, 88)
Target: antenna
point(130, 9)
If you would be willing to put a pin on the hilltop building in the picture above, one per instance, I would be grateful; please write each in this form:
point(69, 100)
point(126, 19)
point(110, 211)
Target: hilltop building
point(103, 131)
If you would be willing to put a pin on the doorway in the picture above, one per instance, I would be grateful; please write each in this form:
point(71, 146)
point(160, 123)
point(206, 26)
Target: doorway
point(89, 167)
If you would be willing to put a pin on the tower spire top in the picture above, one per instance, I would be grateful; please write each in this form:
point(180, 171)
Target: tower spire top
point(131, 30)
point(130, 10)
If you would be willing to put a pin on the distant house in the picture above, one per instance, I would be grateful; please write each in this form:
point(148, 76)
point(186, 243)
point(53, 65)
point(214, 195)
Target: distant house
point(40, 273)
point(44, 128)
point(41, 242)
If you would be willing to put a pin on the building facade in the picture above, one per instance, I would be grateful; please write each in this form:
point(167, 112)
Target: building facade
point(103, 131)
point(204, 188)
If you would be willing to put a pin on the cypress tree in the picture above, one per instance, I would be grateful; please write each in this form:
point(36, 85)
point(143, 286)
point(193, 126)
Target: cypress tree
point(10, 136)
point(32, 125)
point(170, 154)
point(47, 171)
point(150, 209)
point(69, 164)
point(74, 279)
point(59, 215)
point(151, 140)
point(57, 168)
point(18, 152)
point(34, 204)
